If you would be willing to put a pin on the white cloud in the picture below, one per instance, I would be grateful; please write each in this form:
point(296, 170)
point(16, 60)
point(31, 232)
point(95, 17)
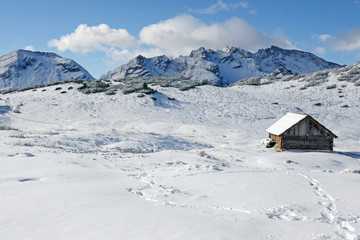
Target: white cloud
point(240, 4)
point(173, 37)
point(252, 11)
point(86, 39)
point(348, 41)
point(29, 48)
point(323, 37)
point(220, 6)
point(217, 7)
point(124, 55)
point(320, 51)
point(187, 32)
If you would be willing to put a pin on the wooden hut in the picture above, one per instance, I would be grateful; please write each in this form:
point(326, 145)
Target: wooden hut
point(300, 131)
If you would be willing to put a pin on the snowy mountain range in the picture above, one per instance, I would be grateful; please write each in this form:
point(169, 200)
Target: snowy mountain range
point(223, 67)
point(23, 68)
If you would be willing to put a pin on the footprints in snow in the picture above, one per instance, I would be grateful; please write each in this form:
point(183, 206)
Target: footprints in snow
point(286, 213)
point(150, 190)
point(330, 214)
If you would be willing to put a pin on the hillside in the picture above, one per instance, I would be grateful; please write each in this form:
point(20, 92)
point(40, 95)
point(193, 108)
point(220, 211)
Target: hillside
point(223, 67)
point(332, 77)
point(178, 164)
point(23, 68)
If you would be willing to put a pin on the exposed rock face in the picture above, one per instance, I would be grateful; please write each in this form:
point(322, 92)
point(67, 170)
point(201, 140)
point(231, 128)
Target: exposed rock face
point(223, 67)
point(23, 68)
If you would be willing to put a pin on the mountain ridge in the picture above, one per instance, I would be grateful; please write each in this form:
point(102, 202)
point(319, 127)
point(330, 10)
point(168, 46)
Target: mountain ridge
point(223, 67)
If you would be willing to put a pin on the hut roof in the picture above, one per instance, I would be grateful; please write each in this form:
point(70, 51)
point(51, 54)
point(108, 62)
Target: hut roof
point(289, 120)
point(286, 122)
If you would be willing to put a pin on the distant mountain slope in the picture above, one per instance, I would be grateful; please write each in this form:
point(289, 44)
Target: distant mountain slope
point(23, 68)
point(223, 67)
point(330, 77)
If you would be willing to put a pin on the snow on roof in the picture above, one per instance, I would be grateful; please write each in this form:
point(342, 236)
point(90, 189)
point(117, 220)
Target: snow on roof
point(286, 122)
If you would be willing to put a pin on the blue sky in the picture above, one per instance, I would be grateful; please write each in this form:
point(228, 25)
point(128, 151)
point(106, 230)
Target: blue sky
point(101, 35)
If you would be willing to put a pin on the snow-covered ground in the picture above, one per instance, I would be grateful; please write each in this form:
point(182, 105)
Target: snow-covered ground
point(187, 165)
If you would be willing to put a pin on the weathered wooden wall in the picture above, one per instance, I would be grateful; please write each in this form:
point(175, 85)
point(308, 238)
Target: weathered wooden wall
point(308, 142)
point(276, 138)
point(278, 141)
point(307, 134)
point(306, 127)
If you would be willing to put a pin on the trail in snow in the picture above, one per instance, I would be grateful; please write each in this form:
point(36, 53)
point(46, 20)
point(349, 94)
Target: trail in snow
point(330, 214)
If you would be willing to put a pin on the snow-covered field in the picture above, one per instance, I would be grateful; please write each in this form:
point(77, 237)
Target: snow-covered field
point(188, 165)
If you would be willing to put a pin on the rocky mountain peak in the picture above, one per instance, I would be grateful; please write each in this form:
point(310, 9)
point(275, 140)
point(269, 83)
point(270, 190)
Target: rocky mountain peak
point(139, 59)
point(199, 53)
point(23, 68)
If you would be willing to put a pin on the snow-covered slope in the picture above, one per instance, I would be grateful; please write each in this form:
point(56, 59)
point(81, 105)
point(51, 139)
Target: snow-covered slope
point(222, 68)
point(23, 68)
point(178, 164)
point(332, 77)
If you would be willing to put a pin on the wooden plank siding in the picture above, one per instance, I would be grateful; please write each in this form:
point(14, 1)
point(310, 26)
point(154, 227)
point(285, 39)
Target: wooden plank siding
point(306, 134)
point(310, 143)
point(306, 127)
point(278, 141)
